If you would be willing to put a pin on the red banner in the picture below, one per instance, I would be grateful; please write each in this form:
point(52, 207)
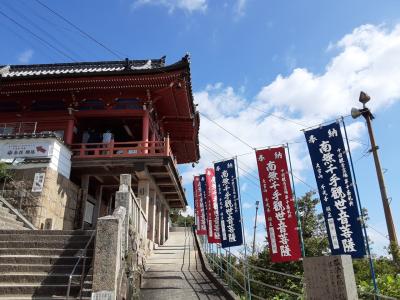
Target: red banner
point(212, 208)
point(200, 213)
point(280, 214)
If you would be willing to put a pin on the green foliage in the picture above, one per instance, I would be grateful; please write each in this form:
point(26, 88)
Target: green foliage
point(4, 172)
point(180, 221)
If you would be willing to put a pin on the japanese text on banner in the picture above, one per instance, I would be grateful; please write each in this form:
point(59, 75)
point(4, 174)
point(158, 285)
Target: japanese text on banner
point(280, 214)
point(200, 214)
point(335, 186)
point(212, 208)
point(228, 204)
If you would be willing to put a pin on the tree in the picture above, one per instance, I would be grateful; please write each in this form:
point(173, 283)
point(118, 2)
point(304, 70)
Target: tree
point(180, 221)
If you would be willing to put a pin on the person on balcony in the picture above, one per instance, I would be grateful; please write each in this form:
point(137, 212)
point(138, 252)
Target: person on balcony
point(107, 138)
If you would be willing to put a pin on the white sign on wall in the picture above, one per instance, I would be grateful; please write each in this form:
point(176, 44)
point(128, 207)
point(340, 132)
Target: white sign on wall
point(38, 182)
point(15, 149)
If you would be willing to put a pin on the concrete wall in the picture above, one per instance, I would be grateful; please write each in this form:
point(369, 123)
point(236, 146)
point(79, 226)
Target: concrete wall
point(57, 201)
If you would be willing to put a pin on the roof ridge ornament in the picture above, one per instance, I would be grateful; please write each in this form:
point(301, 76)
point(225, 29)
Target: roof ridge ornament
point(146, 66)
point(4, 71)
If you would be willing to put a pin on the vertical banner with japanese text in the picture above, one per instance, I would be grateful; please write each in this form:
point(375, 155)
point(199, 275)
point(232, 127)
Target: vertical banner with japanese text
point(336, 191)
point(212, 208)
point(200, 213)
point(279, 208)
point(203, 199)
point(228, 204)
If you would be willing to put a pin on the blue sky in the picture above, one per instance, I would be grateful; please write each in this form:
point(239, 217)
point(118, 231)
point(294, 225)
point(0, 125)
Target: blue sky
point(305, 61)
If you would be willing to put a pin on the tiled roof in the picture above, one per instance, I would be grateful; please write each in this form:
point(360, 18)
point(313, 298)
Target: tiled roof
point(15, 71)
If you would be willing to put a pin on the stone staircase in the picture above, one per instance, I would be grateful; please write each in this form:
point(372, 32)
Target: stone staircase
point(36, 264)
point(8, 220)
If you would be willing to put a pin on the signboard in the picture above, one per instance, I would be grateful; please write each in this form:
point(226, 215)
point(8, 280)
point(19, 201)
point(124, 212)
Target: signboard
point(336, 191)
point(200, 213)
point(212, 208)
point(38, 182)
point(279, 209)
point(228, 204)
point(25, 150)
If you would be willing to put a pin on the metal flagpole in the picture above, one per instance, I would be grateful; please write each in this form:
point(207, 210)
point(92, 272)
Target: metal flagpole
point(244, 236)
point(371, 263)
point(229, 266)
point(303, 251)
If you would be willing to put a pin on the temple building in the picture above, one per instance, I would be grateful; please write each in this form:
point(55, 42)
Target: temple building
point(68, 131)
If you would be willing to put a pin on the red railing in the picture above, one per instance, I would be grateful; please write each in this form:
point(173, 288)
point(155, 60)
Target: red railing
point(122, 149)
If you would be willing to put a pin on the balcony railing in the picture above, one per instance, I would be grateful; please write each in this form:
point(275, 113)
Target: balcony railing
point(122, 149)
point(17, 128)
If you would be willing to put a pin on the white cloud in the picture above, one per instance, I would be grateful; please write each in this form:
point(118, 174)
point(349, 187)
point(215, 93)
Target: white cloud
point(240, 7)
point(185, 5)
point(368, 60)
point(247, 205)
point(188, 212)
point(26, 56)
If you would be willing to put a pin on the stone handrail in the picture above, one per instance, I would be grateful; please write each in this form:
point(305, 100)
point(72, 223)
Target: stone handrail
point(120, 244)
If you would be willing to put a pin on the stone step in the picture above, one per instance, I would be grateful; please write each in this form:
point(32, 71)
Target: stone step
point(48, 232)
point(4, 209)
point(63, 244)
point(42, 278)
point(29, 268)
point(42, 237)
point(7, 215)
point(42, 289)
point(11, 226)
point(40, 252)
point(30, 297)
point(10, 222)
point(39, 260)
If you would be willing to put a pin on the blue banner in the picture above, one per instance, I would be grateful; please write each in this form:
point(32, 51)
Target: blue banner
point(336, 191)
point(228, 204)
point(203, 196)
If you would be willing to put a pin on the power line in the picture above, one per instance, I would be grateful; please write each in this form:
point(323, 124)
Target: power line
point(80, 30)
point(43, 31)
point(227, 131)
point(218, 155)
point(66, 30)
point(36, 36)
point(278, 116)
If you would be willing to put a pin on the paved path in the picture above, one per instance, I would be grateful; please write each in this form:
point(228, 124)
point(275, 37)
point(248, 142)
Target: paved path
point(174, 272)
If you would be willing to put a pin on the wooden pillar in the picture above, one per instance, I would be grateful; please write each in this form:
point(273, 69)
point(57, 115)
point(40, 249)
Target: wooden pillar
point(145, 130)
point(144, 193)
point(166, 223)
point(69, 132)
point(85, 190)
point(151, 226)
point(162, 221)
point(96, 212)
point(157, 231)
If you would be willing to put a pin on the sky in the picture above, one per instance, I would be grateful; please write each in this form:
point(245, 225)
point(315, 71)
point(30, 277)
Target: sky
point(263, 70)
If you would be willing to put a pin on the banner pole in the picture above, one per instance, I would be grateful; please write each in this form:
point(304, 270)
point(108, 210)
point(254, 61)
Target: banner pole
point(303, 251)
point(247, 275)
point(371, 263)
point(229, 267)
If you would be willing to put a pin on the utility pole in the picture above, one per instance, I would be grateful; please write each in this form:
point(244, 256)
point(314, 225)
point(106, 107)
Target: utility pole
point(255, 229)
point(366, 113)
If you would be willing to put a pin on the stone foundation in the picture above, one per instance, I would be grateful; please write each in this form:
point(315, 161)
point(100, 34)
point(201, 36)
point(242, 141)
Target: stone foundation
point(55, 205)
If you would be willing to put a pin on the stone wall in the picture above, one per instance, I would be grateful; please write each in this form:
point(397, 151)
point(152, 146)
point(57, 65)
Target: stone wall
point(57, 201)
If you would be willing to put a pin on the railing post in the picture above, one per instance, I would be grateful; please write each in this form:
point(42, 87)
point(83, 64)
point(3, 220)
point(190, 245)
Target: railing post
point(166, 145)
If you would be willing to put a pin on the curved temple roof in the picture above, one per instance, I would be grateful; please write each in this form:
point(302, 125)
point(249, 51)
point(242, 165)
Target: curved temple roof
point(170, 83)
